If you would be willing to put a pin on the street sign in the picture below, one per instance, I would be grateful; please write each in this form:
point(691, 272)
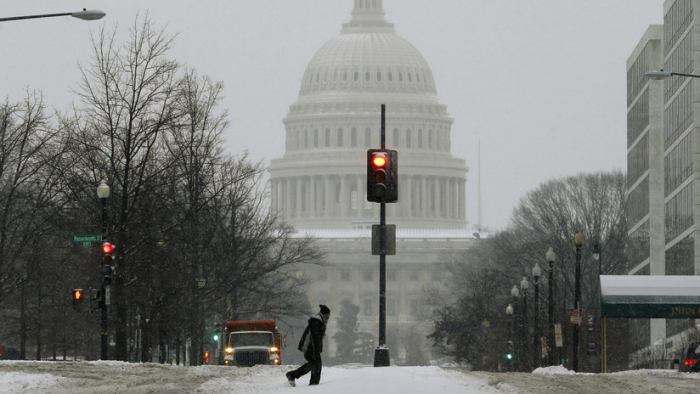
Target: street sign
point(389, 240)
point(576, 316)
point(557, 335)
point(87, 238)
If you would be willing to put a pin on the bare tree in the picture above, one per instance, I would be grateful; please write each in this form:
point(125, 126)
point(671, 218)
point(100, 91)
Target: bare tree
point(546, 217)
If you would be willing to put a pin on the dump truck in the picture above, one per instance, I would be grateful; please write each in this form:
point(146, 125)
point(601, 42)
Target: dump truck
point(252, 342)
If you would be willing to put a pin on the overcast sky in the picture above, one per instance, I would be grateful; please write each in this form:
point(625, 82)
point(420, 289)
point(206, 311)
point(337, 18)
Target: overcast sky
point(541, 83)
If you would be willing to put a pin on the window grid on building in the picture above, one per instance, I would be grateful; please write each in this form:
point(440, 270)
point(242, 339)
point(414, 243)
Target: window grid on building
point(638, 161)
point(638, 118)
point(678, 116)
point(679, 213)
point(678, 164)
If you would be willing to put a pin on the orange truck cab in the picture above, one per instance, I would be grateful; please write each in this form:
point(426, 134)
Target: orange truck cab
point(252, 342)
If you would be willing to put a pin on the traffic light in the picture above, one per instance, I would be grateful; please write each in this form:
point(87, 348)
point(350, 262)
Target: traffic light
point(107, 252)
point(509, 356)
point(77, 296)
point(382, 176)
point(97, 300)
point(107, 272)
point(215, 337)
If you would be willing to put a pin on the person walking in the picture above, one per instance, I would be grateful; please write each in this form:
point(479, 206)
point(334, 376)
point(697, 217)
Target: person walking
point(311, 344)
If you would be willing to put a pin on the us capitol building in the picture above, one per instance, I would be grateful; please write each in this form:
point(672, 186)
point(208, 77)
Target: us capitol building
point(319, 185)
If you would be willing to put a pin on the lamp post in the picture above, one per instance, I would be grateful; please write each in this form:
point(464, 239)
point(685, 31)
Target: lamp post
point(536, 272)
point(103, 194)
point(524, 286)
point(510, 350)
point(86, 15)
point(550, 256)
point(515, 293)
point(596, 254)
point(579, 240)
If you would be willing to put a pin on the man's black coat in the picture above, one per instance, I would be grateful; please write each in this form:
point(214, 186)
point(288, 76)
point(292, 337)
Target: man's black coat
point(311, 342)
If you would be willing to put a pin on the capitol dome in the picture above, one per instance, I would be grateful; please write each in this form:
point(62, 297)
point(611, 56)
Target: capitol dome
point(377, 59)
point(321, 180)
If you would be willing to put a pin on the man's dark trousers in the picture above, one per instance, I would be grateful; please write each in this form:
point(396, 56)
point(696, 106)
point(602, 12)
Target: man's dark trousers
point(313, 366)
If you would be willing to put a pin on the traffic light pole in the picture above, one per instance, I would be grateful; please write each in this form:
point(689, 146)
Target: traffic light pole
point(103, 313)
point(381, 353)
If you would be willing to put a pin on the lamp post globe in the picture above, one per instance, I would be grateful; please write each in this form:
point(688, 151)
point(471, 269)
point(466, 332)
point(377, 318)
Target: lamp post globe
point(103, 189)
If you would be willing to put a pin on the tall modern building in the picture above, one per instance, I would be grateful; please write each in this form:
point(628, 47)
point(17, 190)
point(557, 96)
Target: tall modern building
point(319, 185)
point(662, 145)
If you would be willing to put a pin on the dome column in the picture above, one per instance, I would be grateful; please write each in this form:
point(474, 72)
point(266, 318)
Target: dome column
point(312, 197)
point(423, 197)
point(327, 192)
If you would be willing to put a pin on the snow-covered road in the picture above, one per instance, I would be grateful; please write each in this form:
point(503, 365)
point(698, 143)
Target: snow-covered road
point(118, 377)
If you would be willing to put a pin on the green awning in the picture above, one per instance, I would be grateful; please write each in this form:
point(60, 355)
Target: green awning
point(643, 296)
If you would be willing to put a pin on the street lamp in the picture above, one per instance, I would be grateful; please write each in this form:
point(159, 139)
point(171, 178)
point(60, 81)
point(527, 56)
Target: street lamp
point(103, 194)
point(509, 343)
point(524, 285)
point(579, 240)
point(515, 293)
point(86, 15)
point(550, 256)
point(536, 272)
point(658, 75)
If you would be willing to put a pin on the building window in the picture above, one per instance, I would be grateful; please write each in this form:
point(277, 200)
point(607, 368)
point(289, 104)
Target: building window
point(417, 78)
point(414, 307)
point(306, 138)
point(367, 76)
point(414, 276)
point(400, 77)
point(367, 308)
point(340, 138)
point(409, 78)
point(335, 76)
point(353, 137)
point(316, 138)
point(345, 276)
point(396, 138)
point(345, 76)
point(328, 138)
point(390, 77)
point(368, 137)
point(379, 76)
point(420, 138)
point(356, 77)
point(408, 138)
point(391, 275)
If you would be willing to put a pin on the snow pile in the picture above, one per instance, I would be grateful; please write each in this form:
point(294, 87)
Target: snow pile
point(553, 370)
point(13, 382)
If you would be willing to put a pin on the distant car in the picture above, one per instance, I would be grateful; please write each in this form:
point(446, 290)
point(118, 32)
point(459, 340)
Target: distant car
point(690, 359)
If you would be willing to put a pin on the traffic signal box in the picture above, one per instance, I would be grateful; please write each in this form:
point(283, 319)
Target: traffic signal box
point(382, 176)
point(77, 297)
point(107, 259)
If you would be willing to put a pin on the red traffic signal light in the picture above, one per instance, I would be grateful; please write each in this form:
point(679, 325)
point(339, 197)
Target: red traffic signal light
point(107, 248)
point(382, 176)
point(379, 161)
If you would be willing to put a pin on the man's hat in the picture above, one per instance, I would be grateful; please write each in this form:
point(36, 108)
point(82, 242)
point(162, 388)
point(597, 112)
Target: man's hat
point(325, 310)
